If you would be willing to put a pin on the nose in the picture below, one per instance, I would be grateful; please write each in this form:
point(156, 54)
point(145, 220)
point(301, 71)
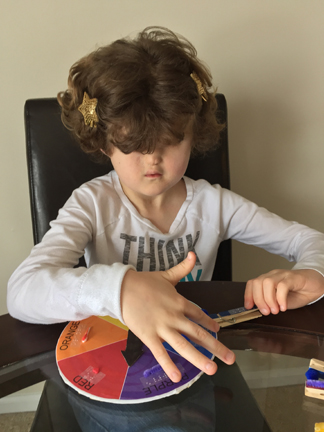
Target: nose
point(154, 158)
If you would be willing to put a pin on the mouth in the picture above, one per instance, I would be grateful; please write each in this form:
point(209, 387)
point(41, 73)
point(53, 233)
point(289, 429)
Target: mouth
point(153, 175)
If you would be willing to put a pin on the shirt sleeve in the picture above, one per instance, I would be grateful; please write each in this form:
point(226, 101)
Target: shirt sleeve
point(244, 221)
point(48, 288)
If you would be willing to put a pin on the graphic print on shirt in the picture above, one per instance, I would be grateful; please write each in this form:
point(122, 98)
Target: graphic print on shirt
point(159, 255)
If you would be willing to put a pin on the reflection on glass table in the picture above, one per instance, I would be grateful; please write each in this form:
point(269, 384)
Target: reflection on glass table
point(261, 392)
point(277, 383)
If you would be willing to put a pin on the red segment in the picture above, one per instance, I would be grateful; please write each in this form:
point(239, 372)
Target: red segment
point(107, 360)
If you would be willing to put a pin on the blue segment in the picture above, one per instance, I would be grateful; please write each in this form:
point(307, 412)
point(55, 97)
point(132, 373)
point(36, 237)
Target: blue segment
point(201, 349)
point(169, 347)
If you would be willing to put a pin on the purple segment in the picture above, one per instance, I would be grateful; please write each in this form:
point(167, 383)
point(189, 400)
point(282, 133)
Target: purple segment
point(153, 370)
point(137, 386)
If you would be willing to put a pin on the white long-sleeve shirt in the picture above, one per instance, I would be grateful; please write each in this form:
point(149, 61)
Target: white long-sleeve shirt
point(100, 222)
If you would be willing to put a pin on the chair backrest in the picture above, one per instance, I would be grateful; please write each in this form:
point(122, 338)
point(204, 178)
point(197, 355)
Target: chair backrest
point(57, 166)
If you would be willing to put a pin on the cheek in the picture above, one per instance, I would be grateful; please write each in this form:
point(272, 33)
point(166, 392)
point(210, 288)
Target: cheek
point(179, 165)
point(181, 160)
point(124, 163)
point(129, 168)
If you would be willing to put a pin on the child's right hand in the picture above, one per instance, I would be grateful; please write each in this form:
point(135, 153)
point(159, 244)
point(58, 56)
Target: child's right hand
point(155, 312)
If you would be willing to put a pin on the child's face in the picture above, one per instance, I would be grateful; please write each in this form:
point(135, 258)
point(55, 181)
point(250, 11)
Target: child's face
point(147, 176)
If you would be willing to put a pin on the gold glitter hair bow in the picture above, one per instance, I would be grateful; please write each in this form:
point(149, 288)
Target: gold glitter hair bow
point(199, 85)
point(88, 110)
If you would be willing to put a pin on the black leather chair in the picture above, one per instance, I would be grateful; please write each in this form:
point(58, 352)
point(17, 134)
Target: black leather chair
point(56, 166)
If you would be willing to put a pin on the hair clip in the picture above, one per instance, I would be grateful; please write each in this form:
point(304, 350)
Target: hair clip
point(199, 85)
point(88, 110)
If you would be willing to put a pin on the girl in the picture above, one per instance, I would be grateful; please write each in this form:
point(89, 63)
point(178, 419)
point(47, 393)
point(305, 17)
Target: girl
point(146, 104)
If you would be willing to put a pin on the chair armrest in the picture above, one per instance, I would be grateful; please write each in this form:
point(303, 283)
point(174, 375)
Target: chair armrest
point(26, 353)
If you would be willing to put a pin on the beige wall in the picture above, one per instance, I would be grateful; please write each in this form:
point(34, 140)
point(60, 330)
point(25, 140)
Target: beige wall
point(267, 57)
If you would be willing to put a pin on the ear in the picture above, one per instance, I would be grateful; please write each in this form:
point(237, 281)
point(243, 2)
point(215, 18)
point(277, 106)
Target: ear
point(106, 154)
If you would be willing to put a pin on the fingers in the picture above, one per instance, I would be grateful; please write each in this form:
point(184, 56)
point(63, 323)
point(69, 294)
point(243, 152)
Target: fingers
point(284, 289)
point(248, 295)
point(190, 353)
point(269, 292)
point(184, 327)
point(194, 313)
point(185, 348)
point(176, 273)
point(282, 296)
point(196, 329)
point(164, 360)
point(262, 291)
point(202, 337)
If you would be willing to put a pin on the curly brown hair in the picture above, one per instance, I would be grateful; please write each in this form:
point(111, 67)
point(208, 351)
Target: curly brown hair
point(145, 95)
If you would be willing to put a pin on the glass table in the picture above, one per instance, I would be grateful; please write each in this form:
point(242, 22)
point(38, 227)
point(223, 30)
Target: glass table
point(277, 384)
point(262, 391)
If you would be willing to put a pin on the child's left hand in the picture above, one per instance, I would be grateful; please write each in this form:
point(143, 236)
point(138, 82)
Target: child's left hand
point(280, 290)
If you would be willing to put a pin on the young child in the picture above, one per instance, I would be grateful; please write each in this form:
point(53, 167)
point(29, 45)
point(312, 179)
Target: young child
point(147, 105)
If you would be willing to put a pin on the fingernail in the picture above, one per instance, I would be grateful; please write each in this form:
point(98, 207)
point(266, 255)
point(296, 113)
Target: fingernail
point(230, 357)
point(264, 311)
point(209, 366)
point(175, 377)
point(273, 310)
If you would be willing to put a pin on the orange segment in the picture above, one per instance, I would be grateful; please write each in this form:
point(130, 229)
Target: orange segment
point(101, 333)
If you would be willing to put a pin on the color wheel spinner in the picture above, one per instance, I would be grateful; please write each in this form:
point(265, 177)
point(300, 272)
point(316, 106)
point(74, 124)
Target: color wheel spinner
point(97, 369)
